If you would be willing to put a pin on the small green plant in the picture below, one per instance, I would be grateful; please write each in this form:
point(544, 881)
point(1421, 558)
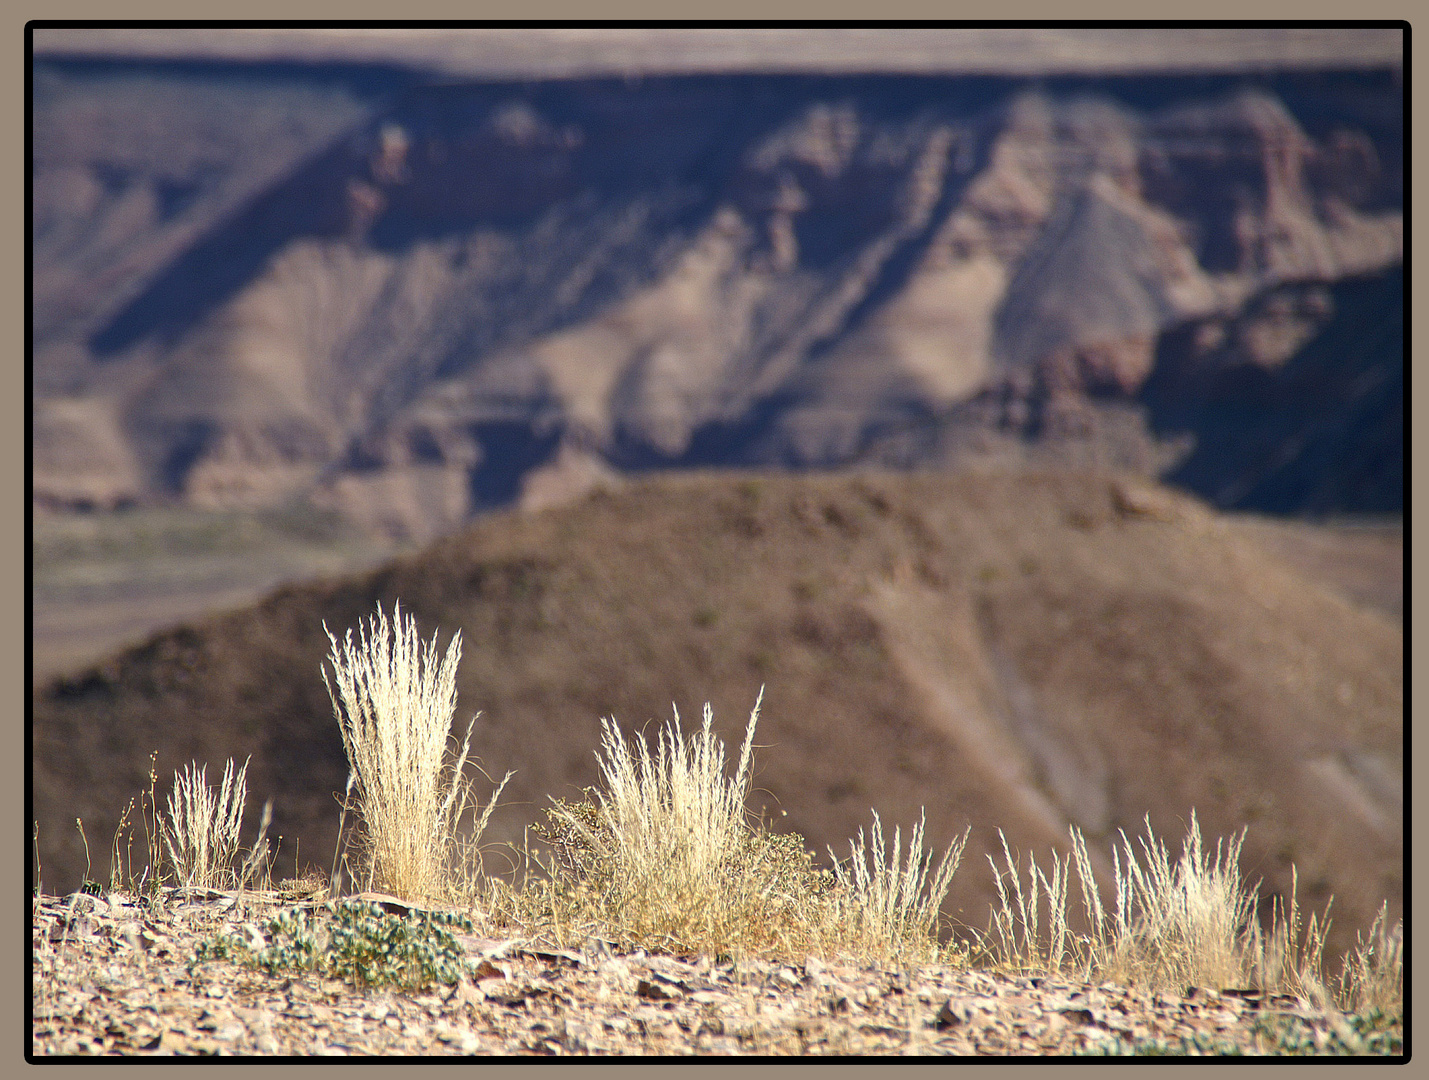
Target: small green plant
point(410, 952)
point(394, 704)
point(356, 942)
point(1373, 1032)
point(1357, 1035)
point(1197, 1044)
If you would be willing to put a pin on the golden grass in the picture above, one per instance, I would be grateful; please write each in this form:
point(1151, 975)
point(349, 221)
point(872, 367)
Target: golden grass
point(1180, 923)
point(663, 856)
point(201, 833)
point(890, 911)
point(1373, 973)
point(394, 704)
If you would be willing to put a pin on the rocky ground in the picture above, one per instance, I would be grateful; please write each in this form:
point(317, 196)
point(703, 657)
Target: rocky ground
point(115, 977)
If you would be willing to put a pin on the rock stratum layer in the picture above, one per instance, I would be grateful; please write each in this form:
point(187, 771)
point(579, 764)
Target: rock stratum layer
point(413, 299)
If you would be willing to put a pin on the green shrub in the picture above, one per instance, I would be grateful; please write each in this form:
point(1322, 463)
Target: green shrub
point(356, 942)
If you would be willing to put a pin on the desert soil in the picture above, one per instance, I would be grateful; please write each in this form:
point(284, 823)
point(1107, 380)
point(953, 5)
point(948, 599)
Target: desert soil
point(112, 977)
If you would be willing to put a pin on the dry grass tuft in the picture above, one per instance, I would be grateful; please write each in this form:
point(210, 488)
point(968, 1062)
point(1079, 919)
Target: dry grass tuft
point(394, 703)
point(1177, 924)
point(1373, 972)
point(662, 856)
point(193, 841)
point(201, 833)
point(665, 857)
point(1180, 924)
point(886, 909)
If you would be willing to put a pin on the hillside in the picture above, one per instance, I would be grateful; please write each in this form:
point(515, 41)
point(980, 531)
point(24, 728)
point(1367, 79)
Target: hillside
point(397, 294)
point(1011, 651)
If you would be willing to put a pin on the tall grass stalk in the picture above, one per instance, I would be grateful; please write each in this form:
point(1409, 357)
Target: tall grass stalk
point(1178, 923)
point(1014, 937)
point(394, 703)
point(885, 904)
point(141, 876)
point(201, 832)
point(1287, 956)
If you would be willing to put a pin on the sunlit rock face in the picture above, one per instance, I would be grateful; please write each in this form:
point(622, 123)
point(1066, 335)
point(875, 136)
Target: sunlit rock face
point(400, 297)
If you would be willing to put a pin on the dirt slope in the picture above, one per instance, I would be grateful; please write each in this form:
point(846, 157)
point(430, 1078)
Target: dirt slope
point(1009, 651)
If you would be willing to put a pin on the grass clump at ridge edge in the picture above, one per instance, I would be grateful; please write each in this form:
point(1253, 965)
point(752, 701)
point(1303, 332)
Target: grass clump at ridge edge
point(394, 703)
point(1174, 925)
point(664, 856)
point(201, 833)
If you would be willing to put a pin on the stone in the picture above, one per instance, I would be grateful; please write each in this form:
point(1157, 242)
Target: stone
point(91, 999)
